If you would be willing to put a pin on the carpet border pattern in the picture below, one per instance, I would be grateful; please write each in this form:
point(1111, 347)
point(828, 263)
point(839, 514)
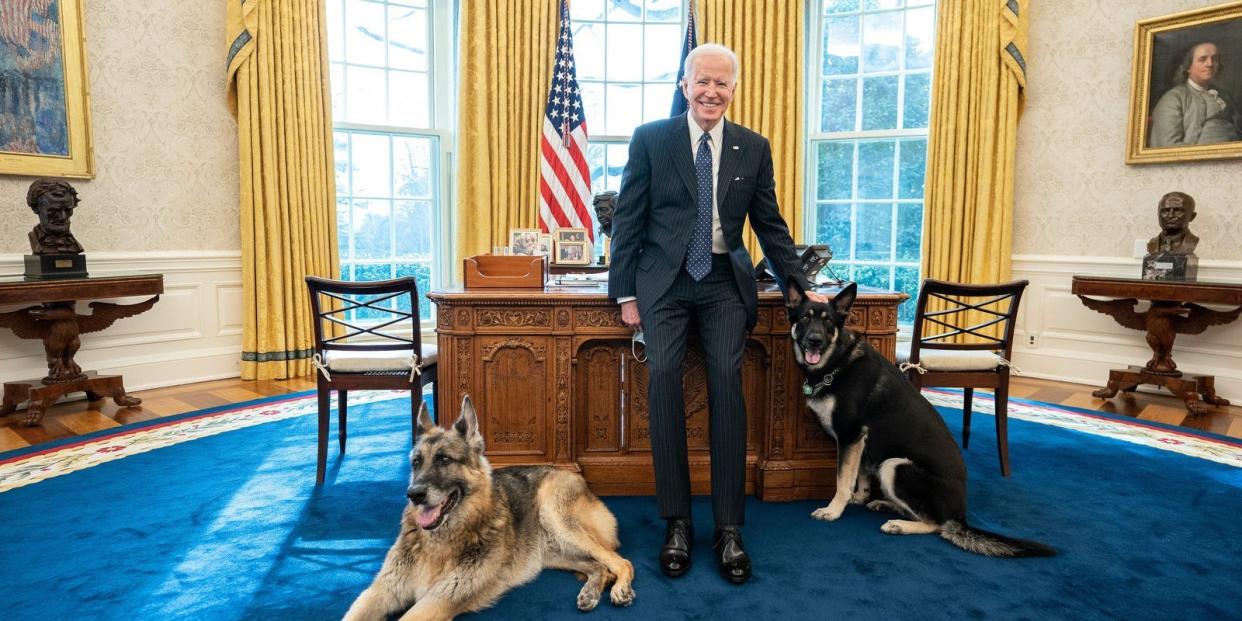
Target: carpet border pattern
point(1186, 442)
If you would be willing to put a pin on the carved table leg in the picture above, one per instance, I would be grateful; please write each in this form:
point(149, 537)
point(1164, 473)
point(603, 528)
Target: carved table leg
point(1108, 391)
point(124, 400)
point(34, 412)
point(1206, 386)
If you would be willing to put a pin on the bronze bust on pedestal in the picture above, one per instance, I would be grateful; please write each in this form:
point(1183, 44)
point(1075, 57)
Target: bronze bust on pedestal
point(55, 252)
point(1171, 253)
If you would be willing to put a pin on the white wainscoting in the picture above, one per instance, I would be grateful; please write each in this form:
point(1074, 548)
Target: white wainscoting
point(1060, 339)
point(192, 334)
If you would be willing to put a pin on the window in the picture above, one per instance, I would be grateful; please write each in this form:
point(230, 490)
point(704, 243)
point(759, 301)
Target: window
point(626, 53)
point(871, 91)
point(391, 99)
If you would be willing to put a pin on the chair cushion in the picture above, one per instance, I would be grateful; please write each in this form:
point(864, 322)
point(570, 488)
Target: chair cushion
point(362, 362)
point(950, 359)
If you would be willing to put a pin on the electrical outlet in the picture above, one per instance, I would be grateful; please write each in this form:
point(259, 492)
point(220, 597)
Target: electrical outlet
point(1030, 340)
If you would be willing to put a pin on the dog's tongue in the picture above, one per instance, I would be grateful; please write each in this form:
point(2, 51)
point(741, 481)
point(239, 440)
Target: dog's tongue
point(812, 357)
point(427, 515)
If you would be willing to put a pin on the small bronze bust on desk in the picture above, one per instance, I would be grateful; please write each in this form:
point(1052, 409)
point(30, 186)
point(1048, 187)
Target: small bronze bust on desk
point(1171, 254)
point(605, 204)
point(55, 252)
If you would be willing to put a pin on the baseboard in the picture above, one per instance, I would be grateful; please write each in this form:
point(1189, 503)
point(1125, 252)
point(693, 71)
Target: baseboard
point(1060, 339)
point(192, 334)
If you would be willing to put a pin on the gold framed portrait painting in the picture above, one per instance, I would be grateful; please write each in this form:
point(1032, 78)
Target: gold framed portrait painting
point(573, 253)
point(1185, 87)
point(45, 120)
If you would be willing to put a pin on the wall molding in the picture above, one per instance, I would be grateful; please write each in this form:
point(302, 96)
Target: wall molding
point(1072, 343)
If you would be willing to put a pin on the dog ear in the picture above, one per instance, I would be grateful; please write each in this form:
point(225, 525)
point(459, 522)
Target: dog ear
point(842, 301)
point(468, 424)
point(425, 423)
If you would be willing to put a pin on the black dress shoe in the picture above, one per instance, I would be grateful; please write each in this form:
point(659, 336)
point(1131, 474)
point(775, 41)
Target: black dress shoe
point(675, 555)
point(731, 557)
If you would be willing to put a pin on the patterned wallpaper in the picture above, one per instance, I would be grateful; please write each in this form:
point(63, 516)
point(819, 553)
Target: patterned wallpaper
point(1074, 194)
point(165, 143)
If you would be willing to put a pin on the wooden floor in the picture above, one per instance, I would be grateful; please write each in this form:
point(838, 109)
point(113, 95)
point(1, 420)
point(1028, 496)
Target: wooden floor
point(79, 417)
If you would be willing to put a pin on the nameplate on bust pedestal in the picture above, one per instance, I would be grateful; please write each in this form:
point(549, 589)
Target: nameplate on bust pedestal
point(55, 266)
point(1169, 266)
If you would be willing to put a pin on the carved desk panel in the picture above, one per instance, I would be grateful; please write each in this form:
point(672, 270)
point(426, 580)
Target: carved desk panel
point(554, 381)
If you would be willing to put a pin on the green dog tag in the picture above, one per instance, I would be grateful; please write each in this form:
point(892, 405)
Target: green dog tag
point(806, 389)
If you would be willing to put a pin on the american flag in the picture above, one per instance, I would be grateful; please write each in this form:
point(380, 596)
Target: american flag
point(564, 177)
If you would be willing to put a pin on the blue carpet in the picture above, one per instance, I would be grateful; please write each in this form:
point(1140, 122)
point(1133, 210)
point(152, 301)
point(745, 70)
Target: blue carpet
point(232, 527)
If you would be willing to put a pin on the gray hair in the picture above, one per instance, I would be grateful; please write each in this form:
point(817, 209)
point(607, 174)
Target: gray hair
point(712, 49)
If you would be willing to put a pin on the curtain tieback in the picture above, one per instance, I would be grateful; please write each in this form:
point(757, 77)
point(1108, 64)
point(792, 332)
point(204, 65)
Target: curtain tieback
point(317, 360)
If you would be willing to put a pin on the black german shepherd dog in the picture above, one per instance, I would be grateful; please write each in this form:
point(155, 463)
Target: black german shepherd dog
point(888, 436)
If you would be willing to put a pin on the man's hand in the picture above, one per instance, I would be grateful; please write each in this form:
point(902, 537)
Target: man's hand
point(629, 315)
point(817, 297)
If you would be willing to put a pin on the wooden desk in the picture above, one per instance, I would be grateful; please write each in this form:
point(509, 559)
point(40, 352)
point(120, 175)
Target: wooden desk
point(58, 325)
point(552, 376)
point(1174, 310)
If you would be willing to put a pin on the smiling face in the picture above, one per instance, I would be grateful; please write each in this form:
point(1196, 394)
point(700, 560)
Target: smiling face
point(708, 87)
point(447, 468)
point(1204, 64)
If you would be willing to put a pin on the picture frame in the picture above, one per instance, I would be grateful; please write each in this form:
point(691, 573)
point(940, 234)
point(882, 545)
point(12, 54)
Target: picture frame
point(49, 134)
point(545, 244)
point(1159, 130)
point(569, 234)
point(524, 241)
point(572, 253)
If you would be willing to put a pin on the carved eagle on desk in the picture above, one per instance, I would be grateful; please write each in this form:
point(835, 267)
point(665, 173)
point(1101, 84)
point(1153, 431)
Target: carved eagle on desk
point(1163, 322)
point(58, 326)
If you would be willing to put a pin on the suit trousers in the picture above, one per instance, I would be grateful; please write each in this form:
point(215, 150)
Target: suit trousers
point(715, 307)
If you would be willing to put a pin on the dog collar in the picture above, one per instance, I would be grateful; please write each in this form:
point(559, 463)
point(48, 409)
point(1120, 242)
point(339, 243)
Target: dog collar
point(810, 390)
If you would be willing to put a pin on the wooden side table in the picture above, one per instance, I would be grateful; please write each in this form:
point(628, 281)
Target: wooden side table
point(1175, 309)
point(55, 321)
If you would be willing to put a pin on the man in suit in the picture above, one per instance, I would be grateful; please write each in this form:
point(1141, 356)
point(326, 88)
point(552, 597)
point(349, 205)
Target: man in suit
point(677, 259)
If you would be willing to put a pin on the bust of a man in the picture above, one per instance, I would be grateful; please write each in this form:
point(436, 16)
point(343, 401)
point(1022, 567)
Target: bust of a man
point(605, 204)
point(1175, 212)
point(54, 201)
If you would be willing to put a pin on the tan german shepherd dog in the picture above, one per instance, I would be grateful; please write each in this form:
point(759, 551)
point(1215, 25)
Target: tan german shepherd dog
point(469, 534)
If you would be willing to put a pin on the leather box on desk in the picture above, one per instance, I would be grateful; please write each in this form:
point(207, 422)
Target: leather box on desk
point(487, 271)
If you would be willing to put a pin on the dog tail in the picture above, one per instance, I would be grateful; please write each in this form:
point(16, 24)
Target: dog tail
point(987, 543)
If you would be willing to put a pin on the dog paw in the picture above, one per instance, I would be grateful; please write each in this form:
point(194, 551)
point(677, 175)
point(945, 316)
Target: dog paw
point(881, 506)
point(588, 600)
point(892, 527)
point(622, 595)
point(828, 514)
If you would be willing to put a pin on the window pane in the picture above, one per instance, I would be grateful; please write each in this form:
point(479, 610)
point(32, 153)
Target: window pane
point(663, 45)
point(838, 103)
point(340, 156)
point(336, 35)
point(336, 75)
point(585, 9)
point(833, 228)
point(365, 99)
point(840, 6)
point(407, 38)
point(906, 280)
point(422, 275)
point(874, 233)
point(595, 159)
point(372, 229)
point(872, 275)
point(875, 169)
point(414, 228)
point(625, 108)
point(909, 231)
point(657, 101)
point(625, 10)
point(920, 25)
point(835, 169)
point(871, 5)
point(881, 42)
point(593, 106)
point(880, 103)
point(913, 168)
point(344, 229)
point(411, 159)
point(370, 166)
point(618, 155)
point(364, 32)
point(841, 45)
point(589, 51)
point(624, 60)
point(917, 101)
point(408, 94)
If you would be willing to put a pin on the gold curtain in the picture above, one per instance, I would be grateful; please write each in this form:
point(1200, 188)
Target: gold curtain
point(507, 47)
point(278, 91)
point(977, 96)
point(767, 36)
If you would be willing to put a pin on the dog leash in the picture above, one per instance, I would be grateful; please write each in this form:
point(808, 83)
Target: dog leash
point(810, 390)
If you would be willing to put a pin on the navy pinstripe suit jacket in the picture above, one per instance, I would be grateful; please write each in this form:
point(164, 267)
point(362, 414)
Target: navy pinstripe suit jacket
point(656, 210)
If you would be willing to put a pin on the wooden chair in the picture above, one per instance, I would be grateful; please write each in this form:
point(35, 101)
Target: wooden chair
point(948, 350)
point(378, 353)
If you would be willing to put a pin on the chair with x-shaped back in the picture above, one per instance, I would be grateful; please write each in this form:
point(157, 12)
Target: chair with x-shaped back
point(956, 344)
point(367, 337)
